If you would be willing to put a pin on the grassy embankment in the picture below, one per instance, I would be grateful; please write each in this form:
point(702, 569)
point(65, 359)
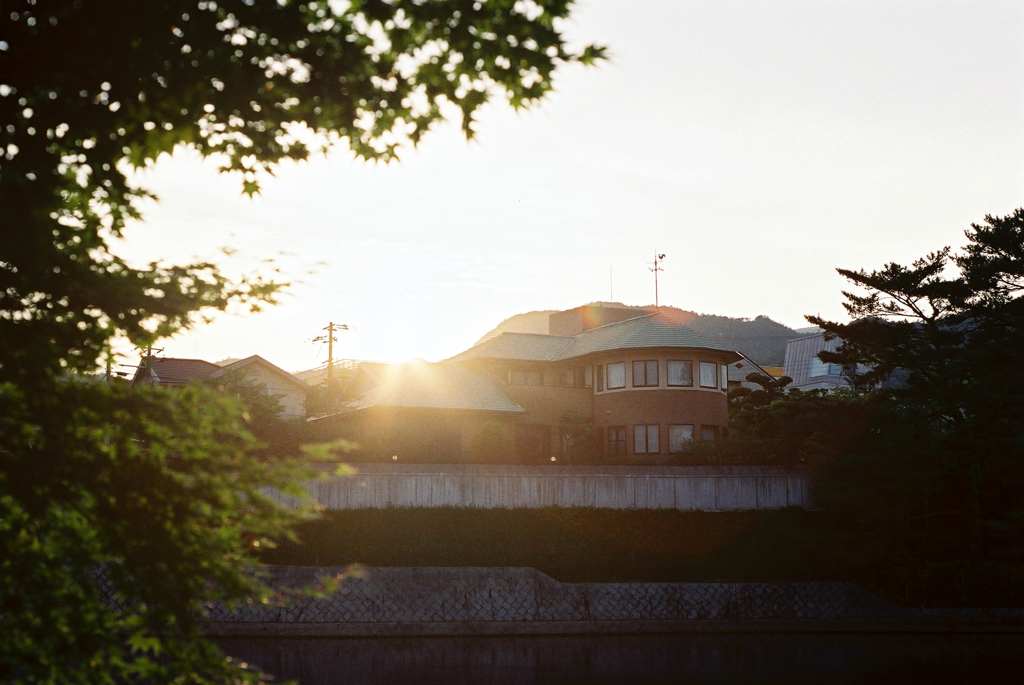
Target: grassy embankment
point(602, 545)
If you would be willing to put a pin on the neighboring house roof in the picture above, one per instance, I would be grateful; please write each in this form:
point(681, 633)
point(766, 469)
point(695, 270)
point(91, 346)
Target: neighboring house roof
point(536, 347)
point(739, 370)
point(173, 371)
point(652, 330)
point(434, 386)
point(277, 371)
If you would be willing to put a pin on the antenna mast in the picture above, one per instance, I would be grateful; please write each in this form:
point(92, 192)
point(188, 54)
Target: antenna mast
point(658, 258)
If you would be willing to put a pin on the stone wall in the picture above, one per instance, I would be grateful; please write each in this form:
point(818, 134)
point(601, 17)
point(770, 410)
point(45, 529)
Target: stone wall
point(445, 601)
point(726, 488)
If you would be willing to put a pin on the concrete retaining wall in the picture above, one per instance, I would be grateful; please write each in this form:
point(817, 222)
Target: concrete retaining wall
point(727, 488)
point(514, 601)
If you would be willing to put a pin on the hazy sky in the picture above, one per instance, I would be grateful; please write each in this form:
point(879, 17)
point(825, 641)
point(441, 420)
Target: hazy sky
point(759, 145)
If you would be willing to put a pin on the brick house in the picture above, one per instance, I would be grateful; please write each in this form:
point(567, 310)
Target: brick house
point(647, 384)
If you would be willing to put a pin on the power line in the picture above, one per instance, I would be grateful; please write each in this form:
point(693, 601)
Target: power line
point(330, 340)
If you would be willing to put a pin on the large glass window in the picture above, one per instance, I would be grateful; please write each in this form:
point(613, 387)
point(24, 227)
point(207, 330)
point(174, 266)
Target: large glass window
point(680, 372)
point(617, 440)
point(645, 374)
point(680, 438)
point(708, 371)
point(645, 439)
point(616, 375)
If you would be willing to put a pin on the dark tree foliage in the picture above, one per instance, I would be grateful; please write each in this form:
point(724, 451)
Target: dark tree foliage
point(950, 451)
point(160, 489)
point(769, 389)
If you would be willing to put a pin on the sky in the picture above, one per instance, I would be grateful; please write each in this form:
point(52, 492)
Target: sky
point(758, 145)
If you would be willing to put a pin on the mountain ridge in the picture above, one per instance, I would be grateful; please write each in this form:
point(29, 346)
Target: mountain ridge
point(761, 339)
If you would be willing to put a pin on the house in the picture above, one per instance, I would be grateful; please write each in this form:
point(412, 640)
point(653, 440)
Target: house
point(176, 372)
point(648, 385)
point(807, 371)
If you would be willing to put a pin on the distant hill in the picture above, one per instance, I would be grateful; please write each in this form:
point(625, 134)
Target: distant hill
point(530, 322)
point(761, 339)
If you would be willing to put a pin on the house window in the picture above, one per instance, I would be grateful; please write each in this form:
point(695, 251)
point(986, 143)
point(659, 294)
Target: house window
point(645, 374)
point(600, 377)
point(680, 438)
point(680, 373)
point(617, 440)
point(725, 377)
point(708, 371)
point(709, 432)
point(573, 378)
point(617, 375)
point(645, 439)
point(533, 377)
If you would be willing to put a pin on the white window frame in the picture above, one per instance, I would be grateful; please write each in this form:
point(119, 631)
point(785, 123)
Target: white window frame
point(678, 444)
point(619, 367)
point(642, 438)
point(668, 372)
point(713, 375)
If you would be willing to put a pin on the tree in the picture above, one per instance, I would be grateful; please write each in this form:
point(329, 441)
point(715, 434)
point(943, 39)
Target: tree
point(581, 438)
point(159, 489)
point(951, 326)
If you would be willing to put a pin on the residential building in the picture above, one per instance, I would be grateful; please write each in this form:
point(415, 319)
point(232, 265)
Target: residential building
point(807, 370)
point(276, 382)
point(648, 385)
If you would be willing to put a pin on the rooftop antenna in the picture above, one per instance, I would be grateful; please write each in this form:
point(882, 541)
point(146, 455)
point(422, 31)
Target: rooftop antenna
point(658, 258)
point(330, 340)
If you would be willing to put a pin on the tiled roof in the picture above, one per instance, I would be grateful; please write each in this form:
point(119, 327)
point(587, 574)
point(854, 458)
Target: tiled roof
point(238, 365)
point(435, 386)
point(522, 346)
point(172, 371)
point(652, 330)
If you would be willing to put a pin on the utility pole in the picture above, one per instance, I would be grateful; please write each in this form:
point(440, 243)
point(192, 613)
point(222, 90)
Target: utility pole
point(330, 339)
point(147, 359)
point(658, 258)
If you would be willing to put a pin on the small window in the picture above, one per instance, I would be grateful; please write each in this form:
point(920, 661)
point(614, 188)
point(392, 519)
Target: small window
point(680, 373)
point(568, 378)
point(645, 439)
point(617, 440)
point(725, 377)
point(680, 438)
point(707, 375)
point(645, 374)
point(616, 375)
point(709, 432)
point(599, 374)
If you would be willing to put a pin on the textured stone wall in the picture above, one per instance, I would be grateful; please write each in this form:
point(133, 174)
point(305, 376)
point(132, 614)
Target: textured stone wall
point(616, 487)
point(437, 601)
point(404, 595)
